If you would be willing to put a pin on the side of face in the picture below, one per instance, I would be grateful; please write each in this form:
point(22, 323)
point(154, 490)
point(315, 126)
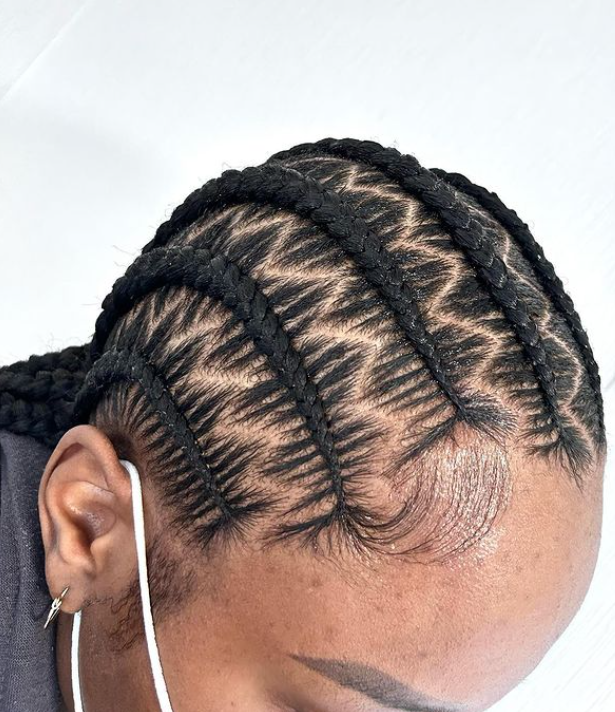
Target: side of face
point(465, 633)
point(265, 628)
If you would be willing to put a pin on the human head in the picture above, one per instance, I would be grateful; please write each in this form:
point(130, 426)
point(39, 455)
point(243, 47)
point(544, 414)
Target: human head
point(369, 425)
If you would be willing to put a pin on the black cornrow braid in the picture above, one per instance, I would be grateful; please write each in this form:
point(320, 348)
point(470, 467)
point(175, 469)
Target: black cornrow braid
point(543, 269)
point(128, 365)
point(476, 241)
point(219, 278)
point(289, 189)
point(37, 394)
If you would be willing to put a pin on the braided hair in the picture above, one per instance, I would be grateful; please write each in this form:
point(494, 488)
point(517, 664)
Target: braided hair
point(311, 346)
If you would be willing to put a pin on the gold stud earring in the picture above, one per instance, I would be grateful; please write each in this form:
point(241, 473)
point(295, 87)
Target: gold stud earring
point(55, 607)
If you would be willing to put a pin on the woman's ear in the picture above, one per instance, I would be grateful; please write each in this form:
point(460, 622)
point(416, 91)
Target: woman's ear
point(85, 512)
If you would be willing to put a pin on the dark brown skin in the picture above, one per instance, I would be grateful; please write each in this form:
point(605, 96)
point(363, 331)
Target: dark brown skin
point(464, 633)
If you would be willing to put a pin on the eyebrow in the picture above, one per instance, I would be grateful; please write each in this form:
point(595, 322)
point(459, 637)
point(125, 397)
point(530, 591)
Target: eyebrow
point(375, 684)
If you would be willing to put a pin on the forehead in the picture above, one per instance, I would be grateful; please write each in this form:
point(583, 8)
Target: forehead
point(473, 627)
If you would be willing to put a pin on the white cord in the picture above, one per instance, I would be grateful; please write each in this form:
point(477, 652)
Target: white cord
point(152, 647)
point(74, 663)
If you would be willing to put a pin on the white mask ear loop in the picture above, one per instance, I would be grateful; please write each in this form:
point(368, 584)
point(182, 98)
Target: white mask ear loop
point(152, 647)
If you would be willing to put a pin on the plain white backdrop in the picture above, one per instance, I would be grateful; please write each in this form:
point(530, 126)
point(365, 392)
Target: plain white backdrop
point(112, 112)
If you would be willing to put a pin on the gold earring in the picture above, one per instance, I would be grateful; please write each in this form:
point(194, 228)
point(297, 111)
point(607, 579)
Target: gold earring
point(55, 607)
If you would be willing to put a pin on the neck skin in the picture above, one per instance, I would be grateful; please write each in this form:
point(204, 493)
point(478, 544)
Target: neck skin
point(63, 633)
point(105, 676)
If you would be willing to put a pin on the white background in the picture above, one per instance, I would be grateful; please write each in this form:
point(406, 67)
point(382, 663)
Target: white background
point(112, 112)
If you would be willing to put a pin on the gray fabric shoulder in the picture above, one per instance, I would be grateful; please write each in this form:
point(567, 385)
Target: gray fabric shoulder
point(28, 677)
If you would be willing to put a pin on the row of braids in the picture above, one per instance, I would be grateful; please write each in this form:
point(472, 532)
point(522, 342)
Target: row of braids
point(288, 189)
point(302, 344)
point(213, 274)
point(547, 276)
point(278, 187)
point(475, 238)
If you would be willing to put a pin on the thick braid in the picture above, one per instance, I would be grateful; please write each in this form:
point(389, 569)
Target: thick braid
point(221, 279)
point(36, 395)
point(543, 269)
point(475, 240)
point(286, 188)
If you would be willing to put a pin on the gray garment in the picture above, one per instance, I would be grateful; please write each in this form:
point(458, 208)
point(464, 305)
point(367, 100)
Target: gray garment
point(28, 676)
